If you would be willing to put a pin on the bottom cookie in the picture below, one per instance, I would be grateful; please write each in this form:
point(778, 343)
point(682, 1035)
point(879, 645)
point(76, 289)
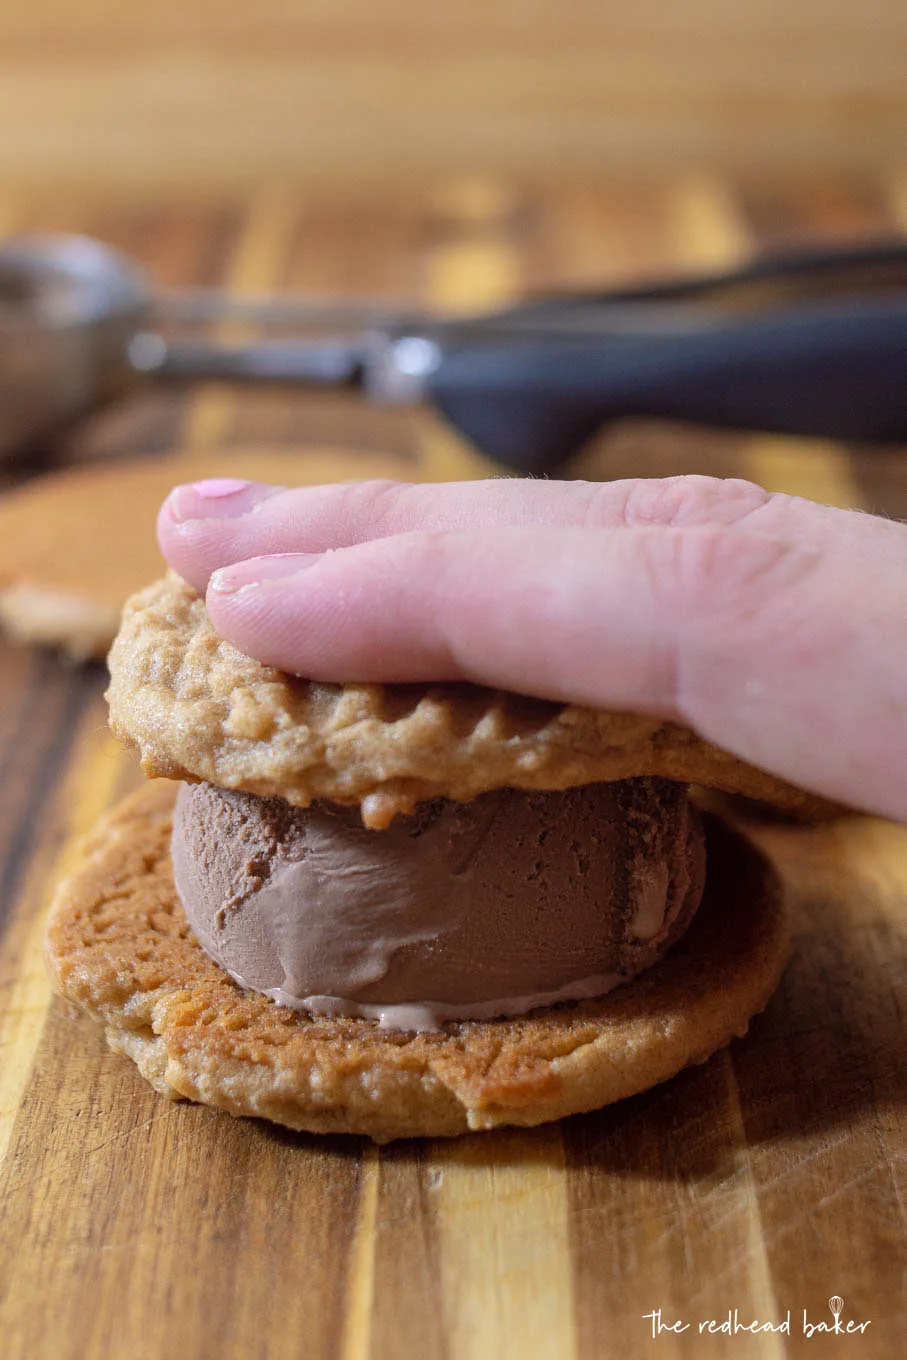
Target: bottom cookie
point(119, 947)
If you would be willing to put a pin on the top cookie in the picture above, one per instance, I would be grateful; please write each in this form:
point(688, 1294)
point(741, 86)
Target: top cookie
point(197, 709)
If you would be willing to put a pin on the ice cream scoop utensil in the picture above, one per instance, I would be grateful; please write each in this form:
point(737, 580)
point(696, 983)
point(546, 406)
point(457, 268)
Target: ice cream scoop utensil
point(811, 343)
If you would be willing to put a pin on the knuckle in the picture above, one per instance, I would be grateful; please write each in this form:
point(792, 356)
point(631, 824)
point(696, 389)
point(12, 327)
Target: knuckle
point(738, 598)
point(721, 573)
point(673, 502)
point(377, 502)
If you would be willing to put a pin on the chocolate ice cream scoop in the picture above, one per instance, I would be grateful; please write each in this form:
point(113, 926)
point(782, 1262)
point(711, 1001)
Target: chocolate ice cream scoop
point(460, 911)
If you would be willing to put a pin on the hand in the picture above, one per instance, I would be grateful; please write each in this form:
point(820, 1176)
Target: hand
point(774, 627)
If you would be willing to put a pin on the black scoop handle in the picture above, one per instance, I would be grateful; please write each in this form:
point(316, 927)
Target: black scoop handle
point(835, 369)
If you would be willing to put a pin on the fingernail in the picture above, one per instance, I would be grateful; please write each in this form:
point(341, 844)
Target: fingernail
point(216, 497)
point(258, 570)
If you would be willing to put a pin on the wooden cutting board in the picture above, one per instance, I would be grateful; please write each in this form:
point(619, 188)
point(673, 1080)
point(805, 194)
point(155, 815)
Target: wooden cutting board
point(769, 1180)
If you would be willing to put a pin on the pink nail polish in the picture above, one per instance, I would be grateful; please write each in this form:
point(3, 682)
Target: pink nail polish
point(258, 571)
point(220, 497)
point(214, 488)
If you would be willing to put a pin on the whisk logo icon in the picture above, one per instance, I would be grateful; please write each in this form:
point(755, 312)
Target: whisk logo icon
point(837, 1326)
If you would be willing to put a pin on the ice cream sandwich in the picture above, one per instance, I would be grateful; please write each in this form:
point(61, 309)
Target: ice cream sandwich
point(405, 910)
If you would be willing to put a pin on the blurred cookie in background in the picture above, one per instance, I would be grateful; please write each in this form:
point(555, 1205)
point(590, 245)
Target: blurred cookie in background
point(74, 544)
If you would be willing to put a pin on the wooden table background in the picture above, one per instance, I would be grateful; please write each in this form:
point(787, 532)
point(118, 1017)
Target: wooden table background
point(200, 93)
point(769, 1179)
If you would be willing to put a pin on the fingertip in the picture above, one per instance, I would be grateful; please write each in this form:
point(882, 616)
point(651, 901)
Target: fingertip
point(169, 540)
point(260, 571)
point(199, 523)
point(217, 498)
point(179, 550)
point(260, 607)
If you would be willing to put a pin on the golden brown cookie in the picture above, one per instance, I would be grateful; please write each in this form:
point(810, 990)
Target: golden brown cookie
point(197, 709)
point(75, 544)
point(120, 948)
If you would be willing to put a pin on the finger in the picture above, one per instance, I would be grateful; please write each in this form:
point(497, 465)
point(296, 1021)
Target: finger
point(788, 654)
point(508, 607)
point(201, 529)
point(199, 534)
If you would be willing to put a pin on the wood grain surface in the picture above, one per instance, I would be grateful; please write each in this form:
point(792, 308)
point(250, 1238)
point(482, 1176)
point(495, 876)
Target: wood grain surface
point(768, 1180)
point(207, 96)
